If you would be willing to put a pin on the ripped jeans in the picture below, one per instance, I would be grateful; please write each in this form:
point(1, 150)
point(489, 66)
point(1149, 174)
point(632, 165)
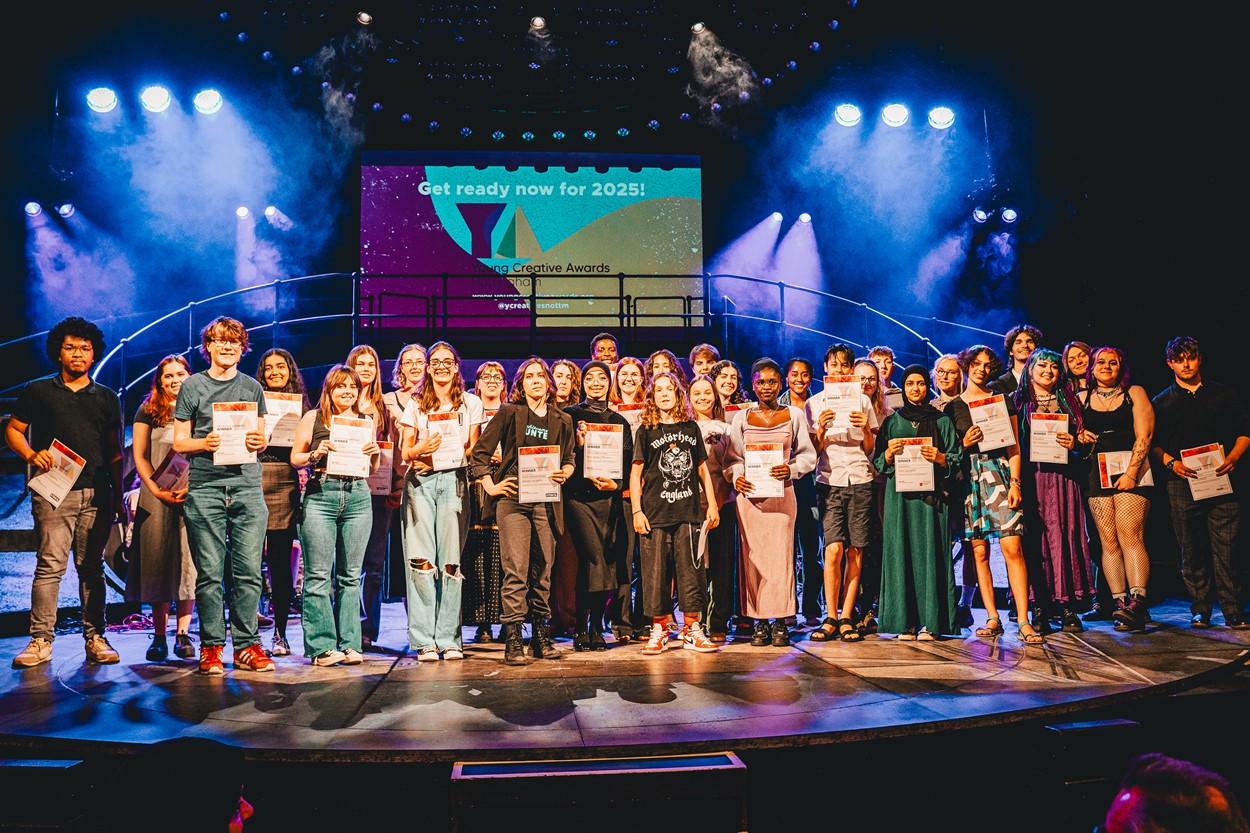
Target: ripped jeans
point(435, 522)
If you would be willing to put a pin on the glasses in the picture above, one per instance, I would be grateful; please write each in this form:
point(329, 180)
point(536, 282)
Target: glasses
point(227, 342)
point(442, 363)
point(411, 363)
point(947, 373)
point(79, 349)
point(490, 377)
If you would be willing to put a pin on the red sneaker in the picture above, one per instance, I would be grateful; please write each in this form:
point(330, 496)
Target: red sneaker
point(210, 660)
point(252, 658)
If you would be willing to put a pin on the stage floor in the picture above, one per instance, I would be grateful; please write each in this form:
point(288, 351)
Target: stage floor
point(618, 702)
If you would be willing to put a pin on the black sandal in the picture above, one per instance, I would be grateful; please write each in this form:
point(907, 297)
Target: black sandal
point(848, 632)
point(822, 635)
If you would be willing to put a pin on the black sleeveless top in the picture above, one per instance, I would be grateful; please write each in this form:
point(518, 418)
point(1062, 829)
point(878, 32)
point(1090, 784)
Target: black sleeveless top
point(1115, 433)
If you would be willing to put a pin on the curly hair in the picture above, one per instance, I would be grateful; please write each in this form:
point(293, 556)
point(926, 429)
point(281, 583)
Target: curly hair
point(648, 368)
point(1020, 329)
point(74, 327)
point(739, 395)
point(651, 416)
point(224, 327)
point(966, 356)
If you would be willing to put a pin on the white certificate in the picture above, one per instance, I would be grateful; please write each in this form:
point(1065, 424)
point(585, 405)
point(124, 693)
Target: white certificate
point(487, 415)
point(632, 414)
point(759, 458)
point(233, 421)
point(57, 482)
point(349, 435)
point(1043, 447)
point(990, 414)
point(912, 472)
point(282, 414)
point(1205, 459)
point(173, 472)
point(535, 465)
point(841, 395)
point(380, 480)
point(1112, 464)
point(601, 455)
point(450, 454)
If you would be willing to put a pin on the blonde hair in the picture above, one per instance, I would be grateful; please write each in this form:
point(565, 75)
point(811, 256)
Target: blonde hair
point(682, 410)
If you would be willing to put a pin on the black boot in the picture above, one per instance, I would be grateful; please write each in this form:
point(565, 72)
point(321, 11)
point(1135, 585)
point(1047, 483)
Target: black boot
point(581, 631)
point(762, 633)
point(514, 646)
point(541, 644)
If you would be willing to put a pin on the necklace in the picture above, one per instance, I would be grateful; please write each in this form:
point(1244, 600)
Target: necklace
point(1108, 394)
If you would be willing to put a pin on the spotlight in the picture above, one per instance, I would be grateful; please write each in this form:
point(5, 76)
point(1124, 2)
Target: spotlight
point(1009, 215)
point(102, 100)
point(941, 118)
point(65, 209)
point(980, 215)
point(241, 212)
point(847, 115)
point(271, 210)
point(805, 218)
point(537, 24)
point(207, 102)
point(698, 27)
point(777, 218)
point(156, 98)
point(33, 209)
point(364, 18)
point(895, 115)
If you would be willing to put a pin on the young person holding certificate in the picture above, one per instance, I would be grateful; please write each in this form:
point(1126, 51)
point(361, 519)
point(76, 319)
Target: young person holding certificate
point(1119, 421)
point(864, 616)
point(160, 561)
point(594, 514)
point(1054, 497)
point(627, 398)
point(528, 423)
point(225, 507)
point(722, 541)
point(439, 427)
point(336, 517)
point(993, 505)
point(770, 445)
point(919, 455)
point(286, 402)
point(69, 410)
point(669, 469)
point(1197, 419)
point(948, 382)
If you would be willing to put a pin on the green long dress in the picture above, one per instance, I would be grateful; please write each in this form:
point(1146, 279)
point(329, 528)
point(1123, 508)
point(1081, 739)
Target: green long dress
point(917, 576)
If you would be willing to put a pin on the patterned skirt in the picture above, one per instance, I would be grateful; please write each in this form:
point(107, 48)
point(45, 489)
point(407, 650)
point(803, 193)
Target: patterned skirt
point(986, 514)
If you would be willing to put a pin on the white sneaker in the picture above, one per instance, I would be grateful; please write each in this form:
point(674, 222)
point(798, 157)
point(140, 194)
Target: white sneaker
point(427, 654)
point(658, 640)
point(453, 653)
point(694, 639)
point(327, 658)
point(352, 657)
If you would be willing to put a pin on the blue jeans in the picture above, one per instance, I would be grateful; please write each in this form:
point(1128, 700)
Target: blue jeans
point(436, 526)
point(335, 521)
point(227, 521)
point(81, 523)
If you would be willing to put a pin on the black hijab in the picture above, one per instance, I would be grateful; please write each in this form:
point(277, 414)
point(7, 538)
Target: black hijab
point(924, 416)
point(596, 406)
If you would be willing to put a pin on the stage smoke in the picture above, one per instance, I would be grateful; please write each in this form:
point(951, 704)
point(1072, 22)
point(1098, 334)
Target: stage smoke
point(722, 82)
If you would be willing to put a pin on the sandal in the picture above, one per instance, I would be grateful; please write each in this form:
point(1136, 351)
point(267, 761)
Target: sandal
point(1030, 638)
point(995, 629)
point(848, 632)
point(822, 635)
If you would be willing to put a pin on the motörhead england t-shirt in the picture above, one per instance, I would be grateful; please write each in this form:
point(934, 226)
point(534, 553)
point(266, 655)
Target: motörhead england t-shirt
point(670, 455)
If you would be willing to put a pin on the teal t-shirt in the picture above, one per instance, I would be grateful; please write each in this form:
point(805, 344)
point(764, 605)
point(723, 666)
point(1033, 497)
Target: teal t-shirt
point(195, 405)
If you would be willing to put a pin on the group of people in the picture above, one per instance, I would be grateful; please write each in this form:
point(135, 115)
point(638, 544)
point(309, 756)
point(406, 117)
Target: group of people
point(623, 494)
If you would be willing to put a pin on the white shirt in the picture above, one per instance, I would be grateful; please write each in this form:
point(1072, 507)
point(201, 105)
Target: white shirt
point(843, 462)
point(470, 413)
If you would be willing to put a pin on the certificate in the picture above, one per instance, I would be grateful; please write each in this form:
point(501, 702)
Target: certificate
point(173, 472)
point(841, 395)
point(1043, 447)
point(759, 458)
point(990, 414)
point(1112, 464)
point(487, 415)
point(380, 480)
point(282, 415)
point(601, 456)
point(233, 421)
point(535, 465)
point(912, 472)
point(57, 482)
point(349, 435)
point(450, 454)
point(632, 414)
point(1205, 459)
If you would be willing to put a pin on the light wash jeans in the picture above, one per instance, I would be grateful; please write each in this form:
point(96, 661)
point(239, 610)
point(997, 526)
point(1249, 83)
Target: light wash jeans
point(227, 521)
point(436, 526)
point(336, 519)
point(80, 523)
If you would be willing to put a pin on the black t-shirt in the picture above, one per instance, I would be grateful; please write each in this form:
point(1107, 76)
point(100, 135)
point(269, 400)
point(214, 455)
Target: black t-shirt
point(88, 421)
point(670, 455)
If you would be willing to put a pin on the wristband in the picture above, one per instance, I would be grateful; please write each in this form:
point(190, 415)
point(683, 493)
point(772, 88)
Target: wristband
point(1170, 465)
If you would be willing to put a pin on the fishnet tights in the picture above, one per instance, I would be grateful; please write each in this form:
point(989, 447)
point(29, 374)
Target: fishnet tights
point(1121, 523)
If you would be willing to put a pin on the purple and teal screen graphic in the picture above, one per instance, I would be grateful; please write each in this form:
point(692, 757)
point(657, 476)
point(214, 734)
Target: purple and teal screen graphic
point(565, 226)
